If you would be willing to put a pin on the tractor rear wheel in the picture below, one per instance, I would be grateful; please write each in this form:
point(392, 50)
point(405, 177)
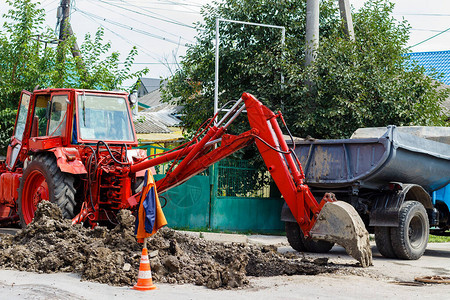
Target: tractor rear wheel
point(43, 180)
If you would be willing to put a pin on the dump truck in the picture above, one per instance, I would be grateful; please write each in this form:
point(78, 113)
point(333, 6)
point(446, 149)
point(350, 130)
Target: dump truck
point(397, 179)
point(74, 147)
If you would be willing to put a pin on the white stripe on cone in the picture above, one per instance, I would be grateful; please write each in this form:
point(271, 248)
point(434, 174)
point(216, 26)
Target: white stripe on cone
point(145, 274)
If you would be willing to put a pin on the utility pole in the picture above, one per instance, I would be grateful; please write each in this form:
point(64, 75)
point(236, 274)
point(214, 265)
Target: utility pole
point(65, 29)
point(63, 16)
point(312, 30)
point(346, 16)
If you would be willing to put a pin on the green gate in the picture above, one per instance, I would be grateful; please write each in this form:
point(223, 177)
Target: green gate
point(226, 197)
point(240, 202)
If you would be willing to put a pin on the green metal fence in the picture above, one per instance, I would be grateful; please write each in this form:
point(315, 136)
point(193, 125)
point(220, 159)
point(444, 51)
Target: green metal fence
point(227, 197)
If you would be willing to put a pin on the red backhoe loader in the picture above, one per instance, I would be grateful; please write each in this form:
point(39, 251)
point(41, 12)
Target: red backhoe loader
point(74, 148)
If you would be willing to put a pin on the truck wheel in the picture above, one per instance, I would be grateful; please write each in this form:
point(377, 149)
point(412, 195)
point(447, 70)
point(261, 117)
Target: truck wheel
point(383, 241)
point(297, 240)
point(410, 238)
point(293, 236)
point(43, 180)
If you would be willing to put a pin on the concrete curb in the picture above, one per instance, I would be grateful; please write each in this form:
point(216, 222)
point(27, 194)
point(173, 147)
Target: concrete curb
point(257, 239)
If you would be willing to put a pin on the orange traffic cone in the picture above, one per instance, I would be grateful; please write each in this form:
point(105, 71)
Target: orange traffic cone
point(144, 281)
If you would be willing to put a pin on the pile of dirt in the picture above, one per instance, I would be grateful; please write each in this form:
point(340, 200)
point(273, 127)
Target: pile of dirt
point(51, 244)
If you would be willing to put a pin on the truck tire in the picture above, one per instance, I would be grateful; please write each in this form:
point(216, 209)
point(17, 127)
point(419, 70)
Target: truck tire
point(293, 236)
point(297, 240)
point(43, 180)
point(383, 241)
point(410, 238)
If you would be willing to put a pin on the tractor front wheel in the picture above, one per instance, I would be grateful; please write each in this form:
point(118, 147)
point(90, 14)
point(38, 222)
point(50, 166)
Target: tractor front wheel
point(43, 180)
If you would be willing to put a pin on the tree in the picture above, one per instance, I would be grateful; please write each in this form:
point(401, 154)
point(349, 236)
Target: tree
point(25, 62)
point(364, 83)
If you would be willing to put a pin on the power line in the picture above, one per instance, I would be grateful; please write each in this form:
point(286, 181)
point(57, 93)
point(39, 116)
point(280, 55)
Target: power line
point(168, 2)
point(134, 44)
point(432, 37)
point(120, 36)
point(147, 8)
point(154, 27)
point(178, 3)
point(423, 14)
point(158, 18)
point(431, 30)
point(151, 63)
point(130, 28)
point(44, 4)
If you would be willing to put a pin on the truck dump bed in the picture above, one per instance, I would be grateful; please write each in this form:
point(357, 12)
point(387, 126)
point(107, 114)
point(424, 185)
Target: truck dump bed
point(380, 157)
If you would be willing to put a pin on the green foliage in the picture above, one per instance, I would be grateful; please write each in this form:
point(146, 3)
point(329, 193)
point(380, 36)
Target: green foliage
point(22, 58)
point(364, 83)
point(7, 117)
point(98, 69)
point(26, 62)
point(353, 84)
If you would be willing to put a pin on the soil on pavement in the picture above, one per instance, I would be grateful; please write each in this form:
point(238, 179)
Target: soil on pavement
point(51, 244)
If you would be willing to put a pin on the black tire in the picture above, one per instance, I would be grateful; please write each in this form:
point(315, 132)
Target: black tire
point(410, 238)
point(297, 240)
point(293, 236)
point(383, 241)
point(59, 187)
point(137, 185)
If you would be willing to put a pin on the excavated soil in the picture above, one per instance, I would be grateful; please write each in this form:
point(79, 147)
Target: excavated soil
point(51, 244)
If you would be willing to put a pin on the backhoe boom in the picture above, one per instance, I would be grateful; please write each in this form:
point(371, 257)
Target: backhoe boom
point(284, 168)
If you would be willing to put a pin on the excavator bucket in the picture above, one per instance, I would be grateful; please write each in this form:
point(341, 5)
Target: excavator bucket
point(339, 222)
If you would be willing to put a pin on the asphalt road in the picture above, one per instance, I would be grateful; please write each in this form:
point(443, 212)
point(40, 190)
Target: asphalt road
point(386, 279)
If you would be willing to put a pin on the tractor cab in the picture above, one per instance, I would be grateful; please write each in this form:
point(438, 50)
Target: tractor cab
point(69, 117)
point(102, 118)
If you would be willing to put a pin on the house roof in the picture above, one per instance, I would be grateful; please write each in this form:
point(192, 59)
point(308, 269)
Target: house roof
point(150, 84)
point(152, 102)
point(158, 126)
point(437, 60)
point(149, 124)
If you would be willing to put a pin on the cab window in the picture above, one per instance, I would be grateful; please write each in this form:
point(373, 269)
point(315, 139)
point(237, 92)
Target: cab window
point(58, 115)
point(22, 116)
point(39, 127)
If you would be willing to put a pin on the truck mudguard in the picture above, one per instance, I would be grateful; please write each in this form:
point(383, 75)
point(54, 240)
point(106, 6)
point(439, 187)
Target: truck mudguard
point(387, 205)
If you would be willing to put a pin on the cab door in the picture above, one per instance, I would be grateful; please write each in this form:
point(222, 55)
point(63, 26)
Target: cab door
point(15, 146)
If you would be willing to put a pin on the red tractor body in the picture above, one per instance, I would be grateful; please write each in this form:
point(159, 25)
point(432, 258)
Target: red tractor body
point(73, 134)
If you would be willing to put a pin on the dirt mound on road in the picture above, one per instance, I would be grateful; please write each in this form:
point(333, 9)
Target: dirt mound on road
point(51, 244)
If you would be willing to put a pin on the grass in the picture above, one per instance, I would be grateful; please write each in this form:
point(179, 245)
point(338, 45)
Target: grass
point(439, 239)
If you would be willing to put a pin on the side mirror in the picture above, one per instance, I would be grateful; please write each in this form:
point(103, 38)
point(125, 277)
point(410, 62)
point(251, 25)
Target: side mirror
point(132, 98)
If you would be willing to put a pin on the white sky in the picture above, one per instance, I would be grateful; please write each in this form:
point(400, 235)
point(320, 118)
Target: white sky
point(159, 28)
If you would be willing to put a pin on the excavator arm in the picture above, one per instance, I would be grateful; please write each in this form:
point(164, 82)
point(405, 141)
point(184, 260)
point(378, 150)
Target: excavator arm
point(331, 220)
